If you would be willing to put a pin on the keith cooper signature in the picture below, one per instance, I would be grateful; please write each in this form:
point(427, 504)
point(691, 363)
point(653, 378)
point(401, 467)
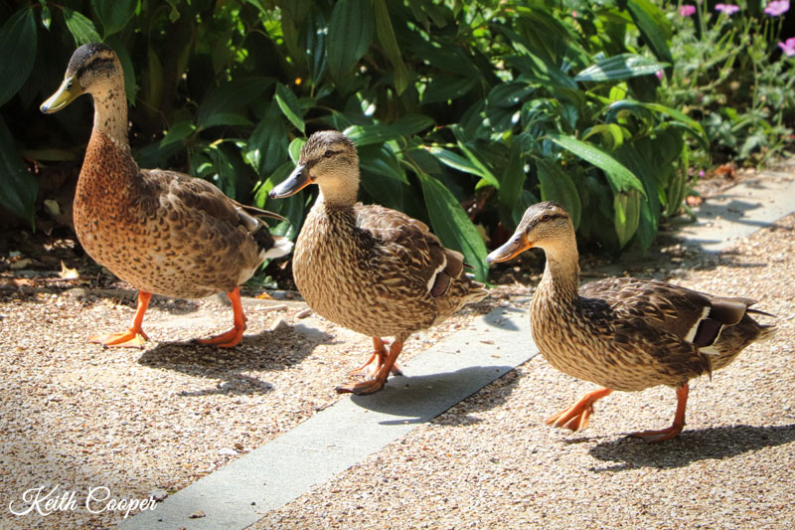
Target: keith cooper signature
point(98, 500)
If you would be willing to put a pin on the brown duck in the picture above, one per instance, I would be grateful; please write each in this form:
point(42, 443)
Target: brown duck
point(624, 334)
point(371, 269)
point(163, 232)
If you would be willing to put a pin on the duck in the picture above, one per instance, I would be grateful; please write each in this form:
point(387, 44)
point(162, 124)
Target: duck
point(161, 231)
point(625, 334)
point(369, 268)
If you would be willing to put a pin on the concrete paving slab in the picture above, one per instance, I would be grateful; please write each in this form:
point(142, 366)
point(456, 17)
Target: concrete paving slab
point(240, 493)
point(740, 211)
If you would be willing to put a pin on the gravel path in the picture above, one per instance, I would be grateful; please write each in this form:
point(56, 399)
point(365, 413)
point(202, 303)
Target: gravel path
point(491, 462)
point(79, 416)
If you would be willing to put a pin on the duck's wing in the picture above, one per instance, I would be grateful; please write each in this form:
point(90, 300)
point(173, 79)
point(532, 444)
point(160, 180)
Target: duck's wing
point(695, 317)
point(405, 250)
point(181, 195)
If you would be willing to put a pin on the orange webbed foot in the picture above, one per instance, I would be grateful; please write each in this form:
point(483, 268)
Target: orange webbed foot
point(379, 355)
point(231, 338)
point(384, 366)
point(133, 338)
point(659, 436)
point(577, 416)
point(365, 387)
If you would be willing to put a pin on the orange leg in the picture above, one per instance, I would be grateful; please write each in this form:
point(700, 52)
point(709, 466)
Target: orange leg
point(679, 421)
point(576, 417)
point(135, 336)
point(380, 353)
point(376, 383)
point(231, 338)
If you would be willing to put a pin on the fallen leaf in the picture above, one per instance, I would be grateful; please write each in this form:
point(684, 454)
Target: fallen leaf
point(67, 273)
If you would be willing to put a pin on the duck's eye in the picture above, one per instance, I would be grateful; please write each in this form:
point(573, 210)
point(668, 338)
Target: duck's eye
point(328, 154)
point(546, 217)
point(69, 84)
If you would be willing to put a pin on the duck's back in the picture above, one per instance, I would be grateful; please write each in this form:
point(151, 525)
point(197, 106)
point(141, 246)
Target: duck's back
point(378, 271)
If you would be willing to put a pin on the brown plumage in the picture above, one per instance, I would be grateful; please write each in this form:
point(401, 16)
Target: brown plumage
point(371, 269)
point(163, 232)
point(627, 333)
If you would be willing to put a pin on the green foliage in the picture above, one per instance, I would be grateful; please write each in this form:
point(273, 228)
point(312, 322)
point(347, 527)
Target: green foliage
point(731, 77)
point(490, 104)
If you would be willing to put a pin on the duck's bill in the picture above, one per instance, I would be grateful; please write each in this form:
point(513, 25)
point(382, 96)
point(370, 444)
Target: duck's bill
point(512, 248)
point(298, 180)
point(68, 91)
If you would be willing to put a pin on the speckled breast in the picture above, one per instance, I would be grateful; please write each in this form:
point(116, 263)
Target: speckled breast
point(335, 279)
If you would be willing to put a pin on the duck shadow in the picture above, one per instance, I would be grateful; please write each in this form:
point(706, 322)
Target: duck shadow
point(419, 399)
point(269, 351)
point(690, 446)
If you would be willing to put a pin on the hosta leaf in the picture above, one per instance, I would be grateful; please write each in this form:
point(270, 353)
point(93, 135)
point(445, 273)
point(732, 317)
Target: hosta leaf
point(653, 26)
point(267, 146)
point(178, 132)
point(114, 14)
point(18, 42)
point(451, 224)
point(290, 107)
point(513, 177)
point(627, 215)
point(17, 187)
point(620, 67)
point(362, 135)
point(556, 185)
point(620, 178)
point(350, 33)
point(295, 148)
point(81, 28)
point(444, 88)
point(380, 160)
point(229, 97)
point(386, 36)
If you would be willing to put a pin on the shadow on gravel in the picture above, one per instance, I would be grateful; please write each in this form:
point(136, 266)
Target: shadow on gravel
point(269, 351)
point(691, 446)
point(419, 399)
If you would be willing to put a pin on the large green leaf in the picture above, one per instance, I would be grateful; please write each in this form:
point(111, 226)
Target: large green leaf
point(17, 187)
point(177, 133)
point(362, 135)
point(635, 160)
point(229, 97)
point(615, 109)
point(556, 185)
point(513, 177)
point(451, 224)
point(350, 34)
point(313, 41)
point(267, 146)
point(386, 36)
point(447, 88)
point(620, 178)
point(18, 42)
point(114, 14)
point(620, 67)
point(626, 215)
point(81, 28)
point(381, 160)
point(290, 107)
point(653, 26)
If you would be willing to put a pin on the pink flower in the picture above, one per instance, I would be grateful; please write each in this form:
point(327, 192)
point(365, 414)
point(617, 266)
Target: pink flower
point(660, 74)
point(729, 9)
point(788, 46)
point(687, 10)
point(776, 8)
point(701, 173)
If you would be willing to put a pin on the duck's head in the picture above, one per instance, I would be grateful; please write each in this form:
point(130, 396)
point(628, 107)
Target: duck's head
point(95, 69)
point(329, 160)
point(544, 225)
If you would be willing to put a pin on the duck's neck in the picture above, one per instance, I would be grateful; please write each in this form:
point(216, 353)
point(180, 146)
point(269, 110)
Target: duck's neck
point(562, 272)
point(340, 193)
point(110, 115)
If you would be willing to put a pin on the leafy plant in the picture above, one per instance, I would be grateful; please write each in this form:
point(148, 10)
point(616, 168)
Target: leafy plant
point(730, 76)
point(489, 104)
